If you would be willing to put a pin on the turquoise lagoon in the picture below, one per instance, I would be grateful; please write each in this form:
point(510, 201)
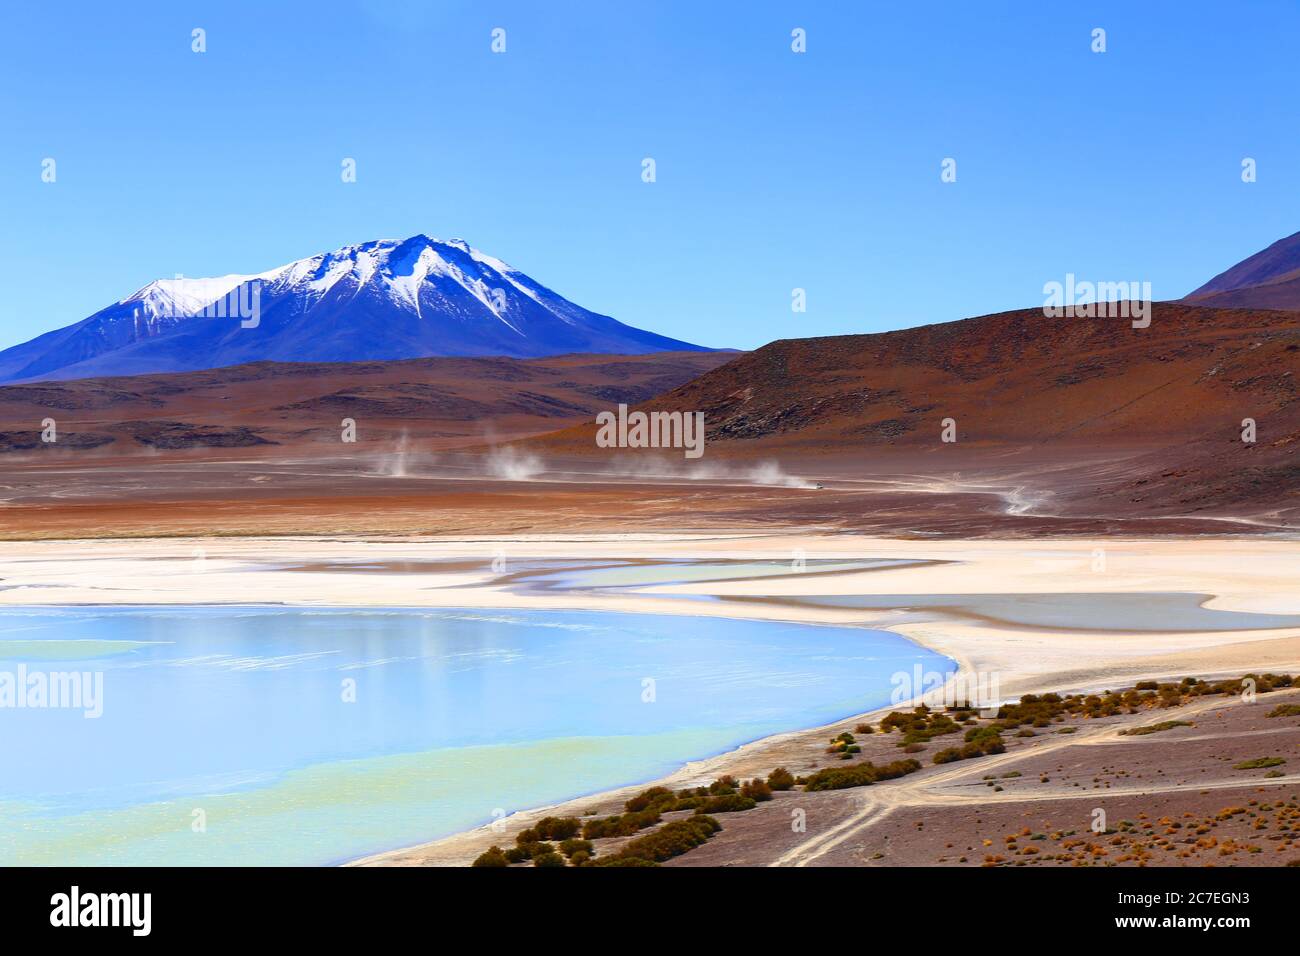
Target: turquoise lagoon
point(274, 735)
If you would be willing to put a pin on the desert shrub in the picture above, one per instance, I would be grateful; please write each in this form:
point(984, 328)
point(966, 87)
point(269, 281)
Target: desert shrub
point(1154, 728)
point(1285, 710)
point(548, 859)
point(516, 854)
point(579, 858)
point(938, 725)
point(780, 779)
point(622, 861)
point(1259, 763)
point(980, 742)
point(620, 824)
point(922, 724)
point(572, 846)
point(842, 743)
point(757, 790)
point(859, 775)
point(656, 797)
point(670, 840)
point(492, 856)
point(727, 803)
point(533, 850)
point(724, 784)
point(557, 828)
point(863, 729)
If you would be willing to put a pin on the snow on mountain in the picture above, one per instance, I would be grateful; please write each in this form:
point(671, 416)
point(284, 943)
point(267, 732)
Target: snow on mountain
point(387, 299)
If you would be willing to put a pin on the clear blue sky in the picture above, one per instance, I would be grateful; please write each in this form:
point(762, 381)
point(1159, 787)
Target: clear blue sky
point(775, 170)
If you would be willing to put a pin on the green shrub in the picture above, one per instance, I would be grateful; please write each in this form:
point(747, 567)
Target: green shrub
point(859, 775)
point(724, 784)
point(531, 850)
point(557, 828)
point(780, 779)
point(492, 856)
point(620, 824)
point(670, 840)
point(1260, 763)
point(622, 861)
point(727, 803)
point(572, 846)
point(655, 797)
point(757, 790)
point(1154, 728)
point(981, 741)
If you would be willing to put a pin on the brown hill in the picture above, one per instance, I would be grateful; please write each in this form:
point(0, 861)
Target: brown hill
point(1011, 378)
point(1094, 412)
point(1270, 279)
point(1063, 426)
point(442, 402)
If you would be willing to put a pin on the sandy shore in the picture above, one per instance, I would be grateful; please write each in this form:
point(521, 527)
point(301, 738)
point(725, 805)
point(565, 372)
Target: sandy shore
point(1255, 575)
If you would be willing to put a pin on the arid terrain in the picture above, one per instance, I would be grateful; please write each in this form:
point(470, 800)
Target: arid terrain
point(436, 402)
point(1097, 521)
point(1061, 427)
point(1094, 417)
point(1110, 791)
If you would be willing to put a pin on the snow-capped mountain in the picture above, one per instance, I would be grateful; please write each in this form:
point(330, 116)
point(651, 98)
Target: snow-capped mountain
point(388, 299)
